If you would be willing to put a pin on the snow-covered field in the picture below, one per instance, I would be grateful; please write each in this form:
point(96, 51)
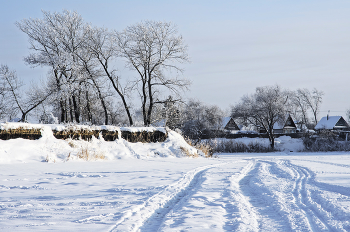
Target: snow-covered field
point(282, 191)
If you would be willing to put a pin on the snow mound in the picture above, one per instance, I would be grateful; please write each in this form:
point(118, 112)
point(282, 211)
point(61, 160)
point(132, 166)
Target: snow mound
point(50, 149)
point(288, 144)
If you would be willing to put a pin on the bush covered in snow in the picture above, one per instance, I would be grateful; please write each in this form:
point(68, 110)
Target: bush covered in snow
point(235, 146)
point(325, 141)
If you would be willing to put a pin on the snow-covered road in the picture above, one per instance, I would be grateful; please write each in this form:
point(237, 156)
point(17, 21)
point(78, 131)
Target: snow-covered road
point(241, 192)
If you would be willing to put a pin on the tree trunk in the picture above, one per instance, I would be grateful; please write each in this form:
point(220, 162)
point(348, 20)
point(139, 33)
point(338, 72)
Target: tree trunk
point(63, 113)
point(151, 103)
point(23, 119)
point(102, 101)
point(88, 107)
point(126, 107)
point(76, 110)
point(71, 110)
point(271, 137)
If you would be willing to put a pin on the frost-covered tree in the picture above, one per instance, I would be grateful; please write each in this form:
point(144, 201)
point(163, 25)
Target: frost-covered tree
point(103, 47)
point(300, 106)
point(263, 109)
point(312, 100)
point(199, 119)
point(15, 100)
point(7, 105)
point(79, 57)
point(153, 49)
point(168, 113)
point(55, 40)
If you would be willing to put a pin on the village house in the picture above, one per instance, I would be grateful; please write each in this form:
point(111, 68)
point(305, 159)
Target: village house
point(335, 123)
point(229, 124)
point(285, 127)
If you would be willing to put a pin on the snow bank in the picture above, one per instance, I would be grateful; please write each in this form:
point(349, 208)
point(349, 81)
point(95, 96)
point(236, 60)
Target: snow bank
point(288, 144)
point(50, 149)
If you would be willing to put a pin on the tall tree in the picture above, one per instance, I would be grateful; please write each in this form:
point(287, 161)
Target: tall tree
point(151, 48)
point(263, 109)
point(80, 58)
point(55, 40)
point(102, 45)
point(300, 107)
point(312, 99)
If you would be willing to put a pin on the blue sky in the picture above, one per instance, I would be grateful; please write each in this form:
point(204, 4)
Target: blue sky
point(235, 46)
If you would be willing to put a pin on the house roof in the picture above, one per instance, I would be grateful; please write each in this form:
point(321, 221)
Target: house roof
point(225, 120)
point(287, 123)
point(330, 123)
point(229, 124)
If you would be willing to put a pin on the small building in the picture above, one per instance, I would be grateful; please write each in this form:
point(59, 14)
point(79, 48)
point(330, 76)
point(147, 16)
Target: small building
point(285, 127)
point(229, 124)
point(337, 123)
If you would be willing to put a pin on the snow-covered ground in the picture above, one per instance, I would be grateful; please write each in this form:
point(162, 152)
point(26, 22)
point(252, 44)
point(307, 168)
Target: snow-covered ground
point(139, 189)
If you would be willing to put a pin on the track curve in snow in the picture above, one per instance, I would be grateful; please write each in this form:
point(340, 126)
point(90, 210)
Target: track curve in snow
point(154, 209)
point(250, 195)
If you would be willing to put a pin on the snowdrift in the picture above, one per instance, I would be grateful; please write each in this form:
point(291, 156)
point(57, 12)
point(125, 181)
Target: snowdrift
point(50, 149)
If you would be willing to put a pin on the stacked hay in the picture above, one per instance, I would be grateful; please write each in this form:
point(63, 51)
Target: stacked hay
point(75, 132)
point(109, 133)
point(19, 130)
point(143, 134)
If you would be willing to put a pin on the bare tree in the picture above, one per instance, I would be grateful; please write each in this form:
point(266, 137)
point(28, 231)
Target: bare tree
point(263, 109)
point(55, 40)
point(151, 48)
point(200, 120)
point(103, 47)
point(312, 99)
point(7, 105)
point(12, 88)
point(80, 58)
point(299, 107)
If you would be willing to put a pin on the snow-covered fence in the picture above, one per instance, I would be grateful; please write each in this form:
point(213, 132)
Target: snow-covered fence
point(108, 133)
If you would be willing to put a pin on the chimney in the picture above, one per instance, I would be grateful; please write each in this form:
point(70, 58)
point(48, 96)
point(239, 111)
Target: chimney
point(328, 115)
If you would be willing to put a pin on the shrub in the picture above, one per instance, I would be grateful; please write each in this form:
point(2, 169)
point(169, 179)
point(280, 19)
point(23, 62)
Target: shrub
point(186, 152)
point(232, 146)
point(206, 148)
point(325, 141)
point(86, 154)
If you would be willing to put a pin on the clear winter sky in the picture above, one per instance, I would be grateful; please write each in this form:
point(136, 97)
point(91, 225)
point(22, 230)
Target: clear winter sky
point(235, 46)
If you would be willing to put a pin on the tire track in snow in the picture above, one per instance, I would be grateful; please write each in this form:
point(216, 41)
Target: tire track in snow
point(160, 204)
point(248, 219)
point(155, 222)
point(282, 187)
point(311, 208)
point(270, 212)
point(304, 200)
